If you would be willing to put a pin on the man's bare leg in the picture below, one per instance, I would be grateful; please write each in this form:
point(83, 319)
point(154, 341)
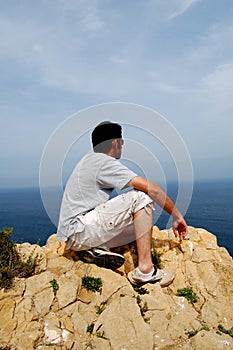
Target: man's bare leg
point(146, 272)
point(143, 224)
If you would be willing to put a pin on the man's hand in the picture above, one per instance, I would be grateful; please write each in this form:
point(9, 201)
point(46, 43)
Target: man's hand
point(180, 228)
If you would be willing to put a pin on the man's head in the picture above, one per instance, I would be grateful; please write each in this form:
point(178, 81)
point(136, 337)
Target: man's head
point(105, 136)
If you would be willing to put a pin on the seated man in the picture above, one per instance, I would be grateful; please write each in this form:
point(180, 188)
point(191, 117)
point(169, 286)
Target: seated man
point(90, 221)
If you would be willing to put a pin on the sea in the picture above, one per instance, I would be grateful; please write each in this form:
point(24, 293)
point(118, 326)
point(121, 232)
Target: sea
point(211, 208)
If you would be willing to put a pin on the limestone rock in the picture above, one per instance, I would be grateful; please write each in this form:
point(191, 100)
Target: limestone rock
point(27, 250)
point(206, 340)
point(122, 324)
point(53, 310)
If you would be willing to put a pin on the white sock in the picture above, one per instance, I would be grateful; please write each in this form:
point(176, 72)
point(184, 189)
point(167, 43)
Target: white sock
point(145, 276)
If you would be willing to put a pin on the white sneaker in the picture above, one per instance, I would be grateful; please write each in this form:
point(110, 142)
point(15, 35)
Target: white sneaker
point(163, 277)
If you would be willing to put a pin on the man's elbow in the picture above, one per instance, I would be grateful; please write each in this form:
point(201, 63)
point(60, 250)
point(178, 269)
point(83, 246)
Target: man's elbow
point(140, 184)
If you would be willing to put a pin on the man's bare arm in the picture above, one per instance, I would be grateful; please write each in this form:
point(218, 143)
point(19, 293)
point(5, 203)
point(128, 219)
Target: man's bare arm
point(160, 197)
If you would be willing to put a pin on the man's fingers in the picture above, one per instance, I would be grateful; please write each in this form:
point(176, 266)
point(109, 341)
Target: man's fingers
point(180, 229)
point(175, 232)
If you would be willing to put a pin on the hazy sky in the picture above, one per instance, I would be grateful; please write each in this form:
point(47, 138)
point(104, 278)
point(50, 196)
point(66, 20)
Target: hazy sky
point(60, 56)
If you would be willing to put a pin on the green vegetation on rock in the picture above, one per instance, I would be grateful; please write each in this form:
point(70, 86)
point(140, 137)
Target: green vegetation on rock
point(11, 264)
point(92, 283)
point(188, 294)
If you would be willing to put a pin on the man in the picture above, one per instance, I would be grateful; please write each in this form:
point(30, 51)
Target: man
point(90, 222)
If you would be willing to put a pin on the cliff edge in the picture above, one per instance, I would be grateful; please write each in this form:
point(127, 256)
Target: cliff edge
point(53, 309)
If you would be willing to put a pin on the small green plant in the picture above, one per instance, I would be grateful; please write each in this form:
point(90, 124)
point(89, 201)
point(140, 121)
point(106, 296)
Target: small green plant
point(134, 250)
point(100, 308)
point(156, 256)
point(192, 333)
point(90, 328)
point(100, 334)
point(188, 294)
point(92, 283)
point(11, 263)
point(143, 308)
point(54, 285)
point(225, 331)
point(141, 290)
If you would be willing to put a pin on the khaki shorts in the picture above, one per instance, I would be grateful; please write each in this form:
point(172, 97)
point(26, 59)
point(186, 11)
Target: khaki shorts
point(109, 220)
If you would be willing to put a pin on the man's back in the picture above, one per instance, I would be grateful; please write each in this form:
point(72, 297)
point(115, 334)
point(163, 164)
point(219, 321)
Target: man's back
point(89, 185)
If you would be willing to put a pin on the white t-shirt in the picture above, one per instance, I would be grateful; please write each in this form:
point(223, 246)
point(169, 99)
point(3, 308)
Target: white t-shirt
point(89, 185)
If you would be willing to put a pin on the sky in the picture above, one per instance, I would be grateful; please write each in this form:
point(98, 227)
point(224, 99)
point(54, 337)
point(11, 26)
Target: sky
point(58, 57)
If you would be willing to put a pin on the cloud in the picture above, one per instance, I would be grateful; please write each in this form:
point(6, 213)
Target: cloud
point(58, 56)
point(70, 53)
point(180, 7)
point(118, 59)
point(213, 45)
point(91, 21)
point(172, 8)
point(159, 84)
point(218, 86)
point(212, 84)
point(72, 24)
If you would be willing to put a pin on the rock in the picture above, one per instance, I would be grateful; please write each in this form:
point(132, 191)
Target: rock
point(53, 310)
point(122, 325)
point(28, 251)
point(37, 283)
point(54, 247)
point(7, 320)
point(206, 340)
point(71, 283)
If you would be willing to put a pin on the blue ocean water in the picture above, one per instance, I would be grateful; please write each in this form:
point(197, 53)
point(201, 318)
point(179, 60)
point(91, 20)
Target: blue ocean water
point(22, 209)
point(211, 208)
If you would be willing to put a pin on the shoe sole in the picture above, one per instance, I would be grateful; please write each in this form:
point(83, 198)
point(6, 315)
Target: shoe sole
point(140, 283)
point(107, 261)
point(165, 284)
point(133, 282)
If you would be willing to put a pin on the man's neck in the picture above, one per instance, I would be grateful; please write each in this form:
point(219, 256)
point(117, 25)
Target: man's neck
point(111, 153)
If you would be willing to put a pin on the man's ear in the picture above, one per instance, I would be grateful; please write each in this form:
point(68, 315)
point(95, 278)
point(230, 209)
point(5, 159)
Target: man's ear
point(114, 143)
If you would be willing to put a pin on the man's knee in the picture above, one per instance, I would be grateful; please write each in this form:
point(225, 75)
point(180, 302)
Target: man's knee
point(142, 200)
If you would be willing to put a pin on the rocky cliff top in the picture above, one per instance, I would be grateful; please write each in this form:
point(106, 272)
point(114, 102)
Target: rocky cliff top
point(54, 309)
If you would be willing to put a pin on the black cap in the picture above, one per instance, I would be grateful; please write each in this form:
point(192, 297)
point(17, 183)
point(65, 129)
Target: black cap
point(105, 131)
